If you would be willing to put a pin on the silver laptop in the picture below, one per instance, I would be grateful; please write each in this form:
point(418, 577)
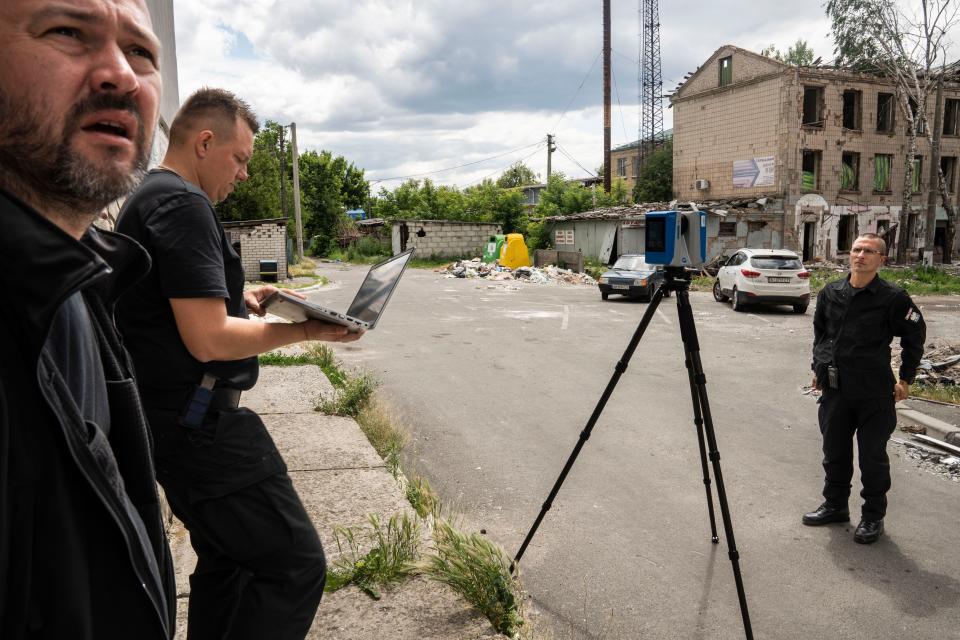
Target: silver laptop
point(367, 305)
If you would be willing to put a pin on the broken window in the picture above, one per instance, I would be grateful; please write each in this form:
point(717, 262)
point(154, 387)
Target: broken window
point(755, 226)
point(851, 109)
point(881, 172)
point(850, 171)
point(622, 167)
point(846, 232)
point(728, 229)
point(810, 180)
point(917, 176)
point(948, 166)
point(636, 167)
point(951, 117)
point(885, 108)
point(726, 71)
point(812, 107)
point(918, 122)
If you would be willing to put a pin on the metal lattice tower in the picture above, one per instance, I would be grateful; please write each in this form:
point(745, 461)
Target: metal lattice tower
point(650, 80)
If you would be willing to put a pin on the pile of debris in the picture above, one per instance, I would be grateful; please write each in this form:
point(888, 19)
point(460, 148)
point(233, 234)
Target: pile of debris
point(940, 363)
point(932, 455)
point(550, 274)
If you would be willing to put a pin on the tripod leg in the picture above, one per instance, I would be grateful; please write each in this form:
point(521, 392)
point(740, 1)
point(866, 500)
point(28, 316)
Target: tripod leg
point(620, 367)
point(688, 332)
point(698, 422)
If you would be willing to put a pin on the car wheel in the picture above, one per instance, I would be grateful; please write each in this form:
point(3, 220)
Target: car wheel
point(604, 296)
point(736, 305)
point(800, 308)
point(718, 292)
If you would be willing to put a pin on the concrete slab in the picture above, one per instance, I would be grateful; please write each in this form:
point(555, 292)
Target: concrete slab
point(420, 609)
point(935, 428)
point(314, 441)
point(287, 390)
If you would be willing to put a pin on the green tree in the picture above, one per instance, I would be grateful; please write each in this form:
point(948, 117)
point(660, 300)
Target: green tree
point(800, 54)
point(321, 189)
point(655, 182)
point(486, 202)
point(518, 175)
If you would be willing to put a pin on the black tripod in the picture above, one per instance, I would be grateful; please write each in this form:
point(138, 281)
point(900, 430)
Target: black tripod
point(677, 280)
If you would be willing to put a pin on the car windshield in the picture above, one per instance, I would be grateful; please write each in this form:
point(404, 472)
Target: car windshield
point(632, 263)
point(783, 263)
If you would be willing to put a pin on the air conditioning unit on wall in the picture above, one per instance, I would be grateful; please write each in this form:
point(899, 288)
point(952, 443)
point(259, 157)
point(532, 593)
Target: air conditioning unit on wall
point(702, 184)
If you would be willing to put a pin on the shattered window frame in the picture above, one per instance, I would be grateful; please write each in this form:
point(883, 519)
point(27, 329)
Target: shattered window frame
point(951, 117)
point(810, 180)
point(948, 165)
point(812, 113)
point(846, 231)
point(850, 171)
point(622, 167)
point(886, 112)
point(727, 229)
point(852, 109)
point(725, 69)
point(921, 123)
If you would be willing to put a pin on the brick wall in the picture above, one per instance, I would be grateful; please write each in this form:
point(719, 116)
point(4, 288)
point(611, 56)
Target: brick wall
point(263, 242)
point(444, 238)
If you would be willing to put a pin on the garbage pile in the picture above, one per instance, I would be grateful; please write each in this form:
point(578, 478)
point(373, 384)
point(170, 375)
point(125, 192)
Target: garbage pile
point(940, 364)
point(550, 274)
point(935, 457)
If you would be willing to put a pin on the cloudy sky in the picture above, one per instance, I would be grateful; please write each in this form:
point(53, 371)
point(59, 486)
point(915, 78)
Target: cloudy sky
point(406, 88)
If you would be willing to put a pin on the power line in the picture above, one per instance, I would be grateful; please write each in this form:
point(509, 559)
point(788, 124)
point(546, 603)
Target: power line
point(501, 170)
point(459, 166)
point(582, 82)
point(574, 160)
point(616, 88)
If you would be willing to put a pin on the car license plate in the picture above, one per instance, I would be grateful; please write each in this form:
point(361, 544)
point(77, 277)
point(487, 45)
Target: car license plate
point(778, 280)
point(621, 286)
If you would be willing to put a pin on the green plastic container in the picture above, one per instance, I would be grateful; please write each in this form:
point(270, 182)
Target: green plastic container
point(492, 251)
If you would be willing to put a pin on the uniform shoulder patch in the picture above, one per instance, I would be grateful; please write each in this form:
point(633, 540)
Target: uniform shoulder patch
point(913, 315)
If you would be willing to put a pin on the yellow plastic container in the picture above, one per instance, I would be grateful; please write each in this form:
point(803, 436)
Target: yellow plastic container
point(514, 252)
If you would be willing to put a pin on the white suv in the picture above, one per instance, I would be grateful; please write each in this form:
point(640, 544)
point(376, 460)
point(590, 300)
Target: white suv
point(763, 276)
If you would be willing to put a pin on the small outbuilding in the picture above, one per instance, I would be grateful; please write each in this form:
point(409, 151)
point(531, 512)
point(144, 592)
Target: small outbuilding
point(262, 245)
point(442, 238)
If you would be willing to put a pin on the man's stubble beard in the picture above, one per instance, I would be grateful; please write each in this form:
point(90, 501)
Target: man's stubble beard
point(38, 164)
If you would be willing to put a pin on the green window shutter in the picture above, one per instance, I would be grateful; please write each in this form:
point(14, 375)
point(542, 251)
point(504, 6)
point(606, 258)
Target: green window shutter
point(881, 173)
point(809, 181)
point(847, 178)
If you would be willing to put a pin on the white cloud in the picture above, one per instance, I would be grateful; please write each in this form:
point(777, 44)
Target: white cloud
point(401, 87)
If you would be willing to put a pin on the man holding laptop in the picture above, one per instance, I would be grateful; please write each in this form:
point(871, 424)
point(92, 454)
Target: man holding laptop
point(261, 569)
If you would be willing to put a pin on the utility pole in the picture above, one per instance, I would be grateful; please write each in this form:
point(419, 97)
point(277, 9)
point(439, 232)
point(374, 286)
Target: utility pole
point(606, 96)
point(650, 136)
point(283, 174)
point(296, 187)
point(550, 149)
point(930, 227)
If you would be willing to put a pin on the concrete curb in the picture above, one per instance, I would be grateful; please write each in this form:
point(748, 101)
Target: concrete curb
point(936, 428)
point(341, 480)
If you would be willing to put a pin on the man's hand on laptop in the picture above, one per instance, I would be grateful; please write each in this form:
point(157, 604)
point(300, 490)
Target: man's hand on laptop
point(329, 332)
point(254, 297)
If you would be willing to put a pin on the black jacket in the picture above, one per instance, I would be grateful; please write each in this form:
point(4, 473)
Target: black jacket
point(82, 548)
point(854, 332)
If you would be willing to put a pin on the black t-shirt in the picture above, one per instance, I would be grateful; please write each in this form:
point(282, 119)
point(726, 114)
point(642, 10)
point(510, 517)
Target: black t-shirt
point(192, 258)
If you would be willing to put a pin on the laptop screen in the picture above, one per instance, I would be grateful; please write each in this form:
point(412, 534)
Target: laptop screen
point(376, 289)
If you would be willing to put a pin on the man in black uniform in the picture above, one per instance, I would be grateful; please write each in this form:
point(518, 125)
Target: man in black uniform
point(82, 548)
point(260, 569)
point(855, 321)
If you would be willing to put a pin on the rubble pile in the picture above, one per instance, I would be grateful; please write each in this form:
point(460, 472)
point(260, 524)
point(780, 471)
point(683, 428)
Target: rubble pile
point(550, 274)
point(940, 363)
point(930, 459)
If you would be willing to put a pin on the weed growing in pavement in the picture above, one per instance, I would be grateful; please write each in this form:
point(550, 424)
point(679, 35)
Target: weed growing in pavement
point(388, 440)
point(303, 268)
point(396, 549)
point(350, 398)
point(939, 392)
point(917, 280)
point(478, 570)
point(421, 497)
point(317, 354)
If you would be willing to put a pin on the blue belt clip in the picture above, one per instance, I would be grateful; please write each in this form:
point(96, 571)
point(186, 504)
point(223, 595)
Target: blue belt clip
point(196, 409)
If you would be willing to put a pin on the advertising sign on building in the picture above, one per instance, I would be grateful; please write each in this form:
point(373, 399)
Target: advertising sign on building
point(756, 172)
point(563, 236)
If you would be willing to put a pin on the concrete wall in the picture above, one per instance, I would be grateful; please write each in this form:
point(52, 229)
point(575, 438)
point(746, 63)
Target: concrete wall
point(442, 238)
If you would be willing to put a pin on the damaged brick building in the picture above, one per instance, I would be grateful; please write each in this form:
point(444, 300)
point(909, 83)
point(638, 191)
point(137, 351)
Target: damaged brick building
point(822, 148)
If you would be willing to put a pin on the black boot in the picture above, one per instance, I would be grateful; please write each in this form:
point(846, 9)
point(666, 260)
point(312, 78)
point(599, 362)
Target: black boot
point(868, 531)
point(825, 514)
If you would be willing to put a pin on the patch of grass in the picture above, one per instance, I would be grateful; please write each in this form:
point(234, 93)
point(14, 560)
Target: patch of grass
point(421, 497)
point(305, 267)
point(594, 268)
point(478, 570)
point(434, 261)
point(387, 439)
point(350, 398)
point(702, 283)
point(317, 354)
point(396, 549)
point(939, 392)
point(919, 280)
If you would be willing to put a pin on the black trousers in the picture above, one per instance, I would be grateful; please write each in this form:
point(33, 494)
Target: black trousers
point(871, 421)
point(260, 565)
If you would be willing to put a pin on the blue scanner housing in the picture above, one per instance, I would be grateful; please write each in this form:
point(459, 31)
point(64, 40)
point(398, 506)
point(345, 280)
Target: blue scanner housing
point(676, 238)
